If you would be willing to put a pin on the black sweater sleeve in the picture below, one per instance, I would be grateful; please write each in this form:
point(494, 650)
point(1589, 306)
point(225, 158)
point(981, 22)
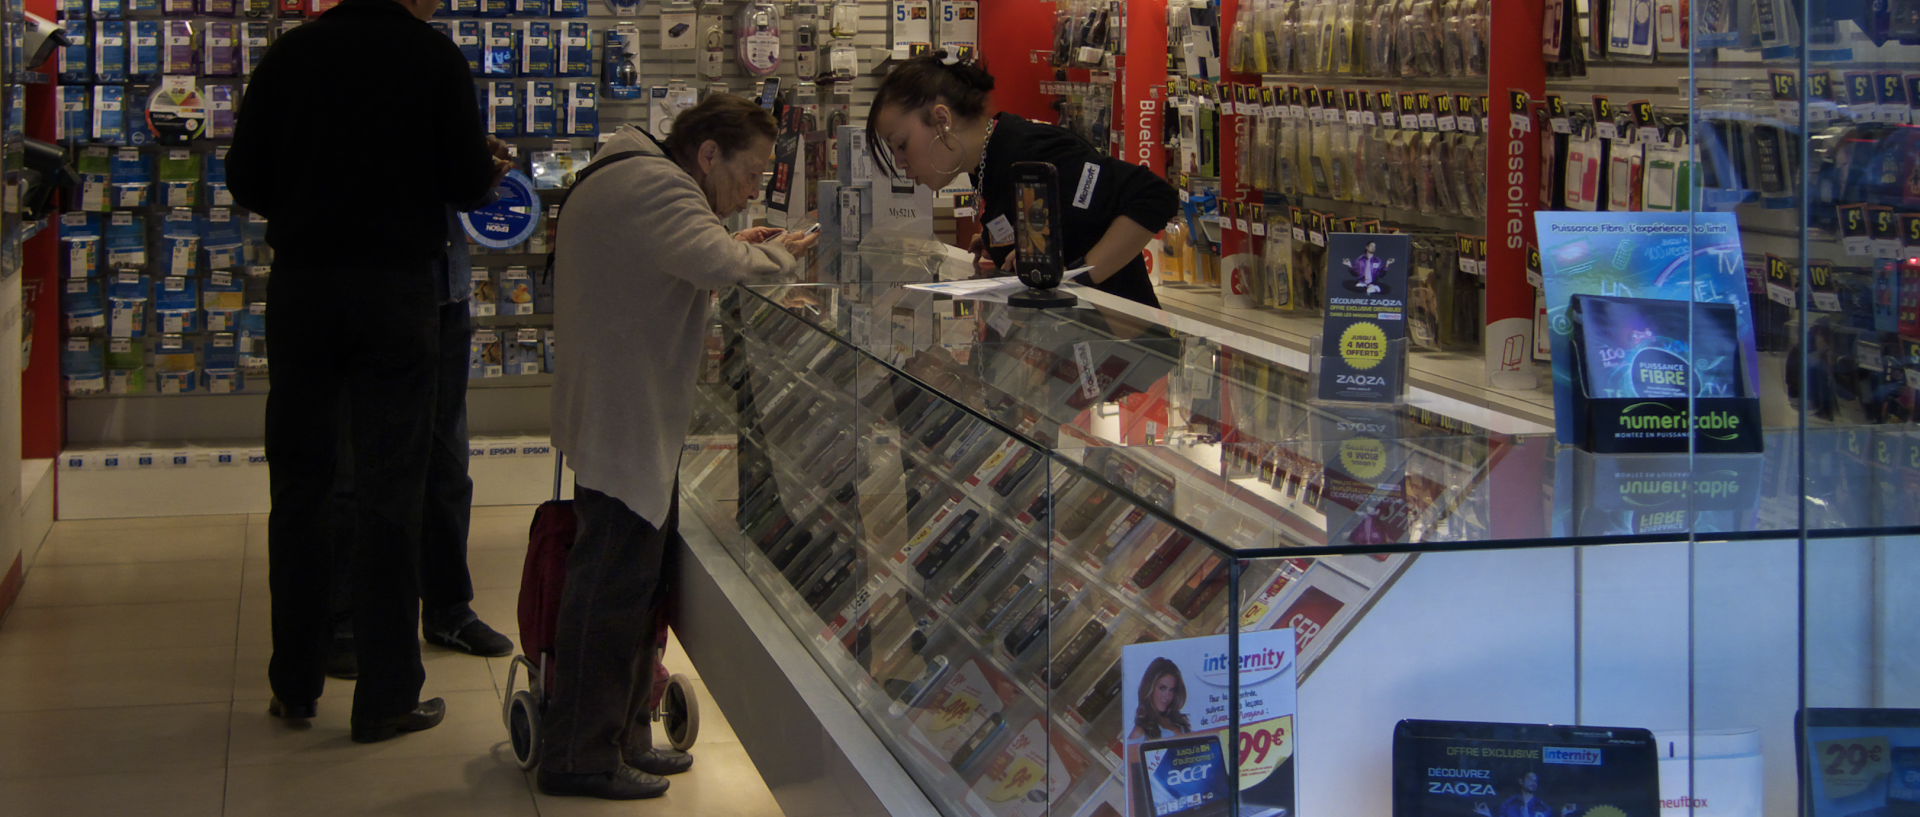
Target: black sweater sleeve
point(250, 158)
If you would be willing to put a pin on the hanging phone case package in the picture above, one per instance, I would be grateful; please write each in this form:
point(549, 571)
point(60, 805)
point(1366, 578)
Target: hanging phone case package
point(146, 51)
point(176, 365)
point(757, 38)
point(536, 49)
point(76, 57)
point(110, 51)
point(501, 58)
point(177, 55)
point(576, 49)
point(583, 109)
point(83, 305)
point(503, 108)
point(83, 367)
point(542, 110)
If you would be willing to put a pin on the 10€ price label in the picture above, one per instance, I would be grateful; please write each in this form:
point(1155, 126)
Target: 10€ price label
point(1853, 765)
point(1263, 747)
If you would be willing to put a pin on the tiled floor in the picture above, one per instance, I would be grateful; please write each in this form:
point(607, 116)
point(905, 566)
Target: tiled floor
point(133, 681)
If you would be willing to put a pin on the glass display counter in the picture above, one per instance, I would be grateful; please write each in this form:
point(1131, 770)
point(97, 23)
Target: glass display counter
point(1030, 546)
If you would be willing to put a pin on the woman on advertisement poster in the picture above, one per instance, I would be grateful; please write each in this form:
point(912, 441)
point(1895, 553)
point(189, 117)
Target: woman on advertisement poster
point(1163, 697)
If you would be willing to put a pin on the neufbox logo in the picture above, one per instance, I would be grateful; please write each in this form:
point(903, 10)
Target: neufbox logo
point(1563, 756)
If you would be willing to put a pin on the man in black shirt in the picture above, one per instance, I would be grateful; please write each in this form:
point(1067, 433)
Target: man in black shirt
point(359, 229)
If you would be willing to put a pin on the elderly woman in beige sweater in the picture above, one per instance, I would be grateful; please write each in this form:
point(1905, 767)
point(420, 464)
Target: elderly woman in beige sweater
point(641, 249)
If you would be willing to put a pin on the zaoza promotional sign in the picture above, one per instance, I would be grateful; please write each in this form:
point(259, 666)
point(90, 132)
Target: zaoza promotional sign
point(1176, 711)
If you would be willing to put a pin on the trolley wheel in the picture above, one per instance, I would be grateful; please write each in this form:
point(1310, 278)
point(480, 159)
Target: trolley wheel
point(680, 712)
point(523, 728)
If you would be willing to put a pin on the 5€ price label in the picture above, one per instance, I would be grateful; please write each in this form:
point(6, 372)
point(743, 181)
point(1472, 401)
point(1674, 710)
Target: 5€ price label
point(1853, 765)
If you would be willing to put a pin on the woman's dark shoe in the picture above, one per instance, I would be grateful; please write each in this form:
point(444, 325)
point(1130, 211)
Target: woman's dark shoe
point(296, 713)
point(425, 716)
point(624, 783)
point(661, 761)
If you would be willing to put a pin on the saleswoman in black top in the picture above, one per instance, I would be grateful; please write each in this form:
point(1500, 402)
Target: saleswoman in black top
point(928, 123)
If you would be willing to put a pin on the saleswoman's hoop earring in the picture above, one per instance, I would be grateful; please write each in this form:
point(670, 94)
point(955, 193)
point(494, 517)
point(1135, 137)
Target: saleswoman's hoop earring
point(945, 139)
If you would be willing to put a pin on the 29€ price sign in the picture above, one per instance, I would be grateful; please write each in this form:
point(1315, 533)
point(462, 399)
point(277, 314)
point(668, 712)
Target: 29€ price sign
point(1363, 337)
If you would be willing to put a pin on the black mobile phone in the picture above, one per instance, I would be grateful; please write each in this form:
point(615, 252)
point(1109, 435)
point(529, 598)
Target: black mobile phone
point(1036, 193)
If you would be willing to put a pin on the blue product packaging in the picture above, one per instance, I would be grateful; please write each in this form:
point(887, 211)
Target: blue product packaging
point(549, 350)
point(468, 34)
point(110, 114)
point(221, 111)
point(76, 58)
point(583, 109)
point(80, 244)
point(533, 8)
point(180, 238)
point(73, 12)
point(524, 355)
point(536, 49)
point(109, 9)
point(255, 37)
point(224, 240)
point(110, 51)
point(223, 364)
point(543, 115)
point(177, 304)
point(218, 194)
point(462, 8)
point(176, 364)
point(570, 8)
point(253, 338)
point(220, 8)
point(76, 114)
point(503, 108)
point(126, 242)
point(146, 51)
point(83, 367)
point(484, 300)
point(502, 55)
point(132, 179)
point(259, 252)
point(138, 7)
point(128, 294)
point(576, 50)
point(495, 8)
point(619, 51)
point(139, 131)
point(220, 49)
point(84, 306)
point(224, 298)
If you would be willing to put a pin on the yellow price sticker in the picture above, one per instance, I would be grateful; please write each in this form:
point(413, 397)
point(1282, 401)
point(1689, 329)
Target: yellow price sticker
point(955, 711)
point(1023, 776)
point(1263, 747)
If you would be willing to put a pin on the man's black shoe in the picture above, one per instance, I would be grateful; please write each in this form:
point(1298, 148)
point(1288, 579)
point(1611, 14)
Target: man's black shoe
point(293, 712)
point(624, 783)
point(471, 636)
point(425, 716)
point(661, 761)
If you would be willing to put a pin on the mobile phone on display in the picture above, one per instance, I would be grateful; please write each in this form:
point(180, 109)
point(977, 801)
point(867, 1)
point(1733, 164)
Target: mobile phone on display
point(1037, 236)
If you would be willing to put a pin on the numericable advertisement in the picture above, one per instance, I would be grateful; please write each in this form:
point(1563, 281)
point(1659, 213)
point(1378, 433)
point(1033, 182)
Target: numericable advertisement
point(1177, 715)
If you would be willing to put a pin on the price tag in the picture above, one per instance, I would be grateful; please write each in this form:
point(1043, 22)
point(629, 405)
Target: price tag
point(1824, 301)
point(1856, 237)
point(1780, 280)
point(1849, 767)
point(1557, 115)
point(1263, 747)
point(1884, 226)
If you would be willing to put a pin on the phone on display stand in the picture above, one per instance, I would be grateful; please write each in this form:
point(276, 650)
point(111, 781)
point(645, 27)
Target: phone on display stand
point(1036, 197)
